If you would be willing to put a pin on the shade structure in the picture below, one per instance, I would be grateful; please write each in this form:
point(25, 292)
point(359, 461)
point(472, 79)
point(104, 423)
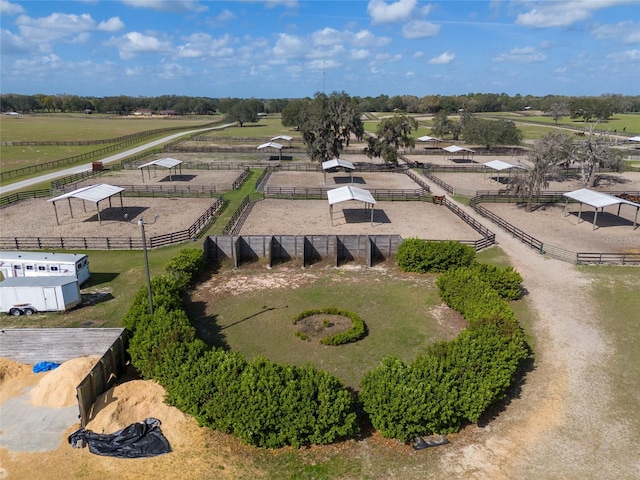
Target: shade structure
point(286, 138)
point(344, 194)
point(427, 138)
point(499, 166)
point(634, 139)
point(275, 145)
point(337, 163)
point(453, 149)
point(92, 193)
point(598, 200)
point(167, 163)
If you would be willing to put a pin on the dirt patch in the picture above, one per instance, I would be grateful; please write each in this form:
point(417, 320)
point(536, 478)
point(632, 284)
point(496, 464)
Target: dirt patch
point(36, 218)
point(320, 326)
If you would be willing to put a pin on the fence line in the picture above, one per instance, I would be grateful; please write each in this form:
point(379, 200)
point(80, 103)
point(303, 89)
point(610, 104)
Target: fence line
point(115, 243)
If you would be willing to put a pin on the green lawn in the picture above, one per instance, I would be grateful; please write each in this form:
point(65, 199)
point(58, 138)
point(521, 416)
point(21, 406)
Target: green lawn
point(395, 308)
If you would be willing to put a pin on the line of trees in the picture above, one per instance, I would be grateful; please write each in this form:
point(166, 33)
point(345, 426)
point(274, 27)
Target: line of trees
point(582, 107)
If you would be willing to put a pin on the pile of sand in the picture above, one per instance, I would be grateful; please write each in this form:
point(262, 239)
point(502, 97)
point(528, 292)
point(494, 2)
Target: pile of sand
point(14, 378)
point(57, 389)
point(10, 370)
point(132, 402)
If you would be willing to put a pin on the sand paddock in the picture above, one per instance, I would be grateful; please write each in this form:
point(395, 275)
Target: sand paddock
point(311, 217)
point(366, 180)
point(36, 217)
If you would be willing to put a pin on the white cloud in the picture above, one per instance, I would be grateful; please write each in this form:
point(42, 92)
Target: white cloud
point(326, 36)
point(171, 6)
point(225, 16)
point(521, 55)
point(360, 54)
point(174, 71)
point(443, 58)
point(112, 25)
point(288, 46)
point(8, 8)
point(364, 38)
point(563, 13)
point(420, 29)
point(281, 3)
point(53, 27)
point(418, 55)
point(628, 32)
point(382, 12)
point(135, 43)
point(11, 43)
point(626, 56)
point(410, 74)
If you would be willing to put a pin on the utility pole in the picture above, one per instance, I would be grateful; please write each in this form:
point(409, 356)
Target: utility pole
point(146, 257)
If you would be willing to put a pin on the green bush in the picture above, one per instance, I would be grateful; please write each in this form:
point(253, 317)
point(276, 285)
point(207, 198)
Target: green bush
point(186, 265)
point(357, 331)
point(421, 256)
point(506, 281)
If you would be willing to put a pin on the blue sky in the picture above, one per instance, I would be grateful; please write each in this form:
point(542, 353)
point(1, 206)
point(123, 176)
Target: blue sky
point(295, 48)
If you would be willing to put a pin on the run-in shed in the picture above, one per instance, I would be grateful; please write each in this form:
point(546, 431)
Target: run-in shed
point(337, 163)
point(92, 193)
point(499, 166)
point(452, 150)
point(274, 145)
point(598, 200)
point(343, 194)
point(427, 138)
point(168, 163)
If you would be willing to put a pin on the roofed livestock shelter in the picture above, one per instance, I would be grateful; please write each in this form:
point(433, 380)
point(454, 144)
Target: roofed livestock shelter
point(275, 145)
point(598, 200)
point(167, 163)
point(344, 194)
point(92, 193)
point(499, 165)
point(337, 163)
point(451, 150)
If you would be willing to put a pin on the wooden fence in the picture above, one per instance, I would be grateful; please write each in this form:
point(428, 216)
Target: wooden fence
point(115, 243)
point(102, 377)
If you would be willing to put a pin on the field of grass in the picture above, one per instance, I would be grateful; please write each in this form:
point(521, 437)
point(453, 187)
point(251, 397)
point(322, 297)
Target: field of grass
point(396, 308)
point(63, 128)
point(619, 122)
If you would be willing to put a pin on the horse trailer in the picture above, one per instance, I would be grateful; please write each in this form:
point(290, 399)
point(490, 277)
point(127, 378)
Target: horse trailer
point(24, 295)
point(44, 264)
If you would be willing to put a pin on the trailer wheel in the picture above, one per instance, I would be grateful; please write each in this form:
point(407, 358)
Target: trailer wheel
point(29, 311)
point(16, 312)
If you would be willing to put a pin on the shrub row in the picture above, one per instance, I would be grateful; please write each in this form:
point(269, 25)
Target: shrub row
point(420, 256)
point(453, 382)
point(263, 403)
point(357, 331)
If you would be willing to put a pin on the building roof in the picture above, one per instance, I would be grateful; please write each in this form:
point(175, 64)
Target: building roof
point(500, 165)
point(634, 139)
point(336, 162)
point(597, 199)
point(163, 162)
point(287, 138)
point(427, 138)
point(343, 194)
point(270, 144)
point(92, 193)
point(456, 149)
point(40, 256)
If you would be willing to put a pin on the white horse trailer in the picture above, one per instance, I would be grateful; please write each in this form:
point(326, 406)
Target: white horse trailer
point(24, 295)
point(44, 264)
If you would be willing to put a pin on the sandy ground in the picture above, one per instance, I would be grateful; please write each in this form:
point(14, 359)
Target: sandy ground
point(312, 217)
point(36, 217)
point(218, 180)
point(365, 180)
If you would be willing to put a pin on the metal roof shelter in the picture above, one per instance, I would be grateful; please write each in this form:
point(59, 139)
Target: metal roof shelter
point(453, 149)
point(499, 166)
point(344, 194)
point(337, 163)
point(275, 145)
point(286, 138)
point(634, 139)
point(167, 163)
point(598, 200)
point(92, 193)
point(427, 138)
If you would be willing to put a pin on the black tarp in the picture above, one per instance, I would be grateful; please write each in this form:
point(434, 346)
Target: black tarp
point(138, 440)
